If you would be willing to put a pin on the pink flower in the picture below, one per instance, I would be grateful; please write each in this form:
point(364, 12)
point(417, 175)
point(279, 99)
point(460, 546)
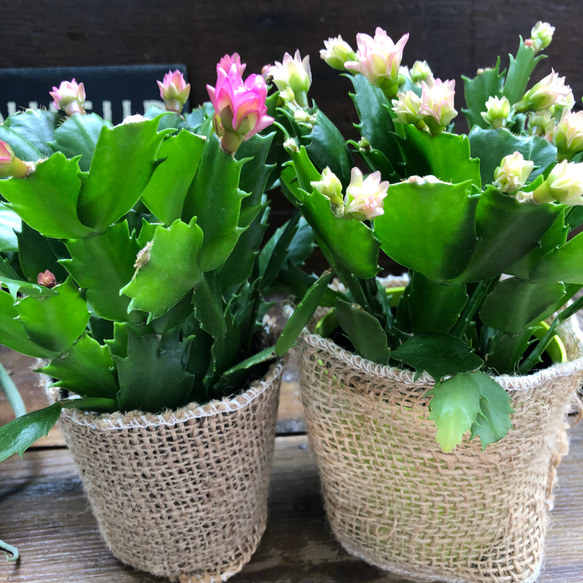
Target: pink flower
point(379, 59)
point(69, 96)
point(240, 110)
point(437, 108)
point(174, 91)
point(364, 198)
point(234, 59)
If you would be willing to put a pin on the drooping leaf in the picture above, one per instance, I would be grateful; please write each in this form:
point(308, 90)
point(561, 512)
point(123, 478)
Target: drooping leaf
point(18, 435)
point(364, 330)
point(473, 402)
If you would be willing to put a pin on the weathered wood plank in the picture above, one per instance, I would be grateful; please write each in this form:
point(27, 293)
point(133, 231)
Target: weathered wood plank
point(44, 512)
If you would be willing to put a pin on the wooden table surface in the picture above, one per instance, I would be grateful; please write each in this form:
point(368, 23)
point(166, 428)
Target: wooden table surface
point(44, 512)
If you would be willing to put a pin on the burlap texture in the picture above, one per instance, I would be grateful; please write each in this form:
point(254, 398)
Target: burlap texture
point(184, 494)
point(394, 499)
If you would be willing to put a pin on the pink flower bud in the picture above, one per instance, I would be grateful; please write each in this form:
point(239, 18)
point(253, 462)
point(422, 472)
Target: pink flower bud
point(240, 110)
point(541, 35)
point(69, 96)
point(513, 173)
point(293, 73)
point(546, 93)
point(330, 186)
point(10, 165)
point(228, 60)
point(564, 184)
point(174, 90)
point(568, 136)
point(47, 279)
point(364, 198)
point(406, 107)
point(379, 59)
point(437, 104)
point(337, 53)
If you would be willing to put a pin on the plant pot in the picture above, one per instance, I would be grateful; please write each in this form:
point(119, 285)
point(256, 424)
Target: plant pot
point(394, 499)
point(181, 494)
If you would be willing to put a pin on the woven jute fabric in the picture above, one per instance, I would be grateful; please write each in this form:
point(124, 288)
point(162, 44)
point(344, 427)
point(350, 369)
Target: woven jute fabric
point(183, 494)
point(394, 499)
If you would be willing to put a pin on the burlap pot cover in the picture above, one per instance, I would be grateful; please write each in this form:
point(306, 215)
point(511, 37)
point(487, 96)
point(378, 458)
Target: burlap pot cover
point(394, 499)
point(184, 494)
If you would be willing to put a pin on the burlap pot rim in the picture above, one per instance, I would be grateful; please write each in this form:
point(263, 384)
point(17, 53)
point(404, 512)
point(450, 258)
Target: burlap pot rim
point(569, 331)
point(139, 419)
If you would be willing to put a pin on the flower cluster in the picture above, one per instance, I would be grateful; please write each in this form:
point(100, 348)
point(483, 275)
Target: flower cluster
point(479, 220)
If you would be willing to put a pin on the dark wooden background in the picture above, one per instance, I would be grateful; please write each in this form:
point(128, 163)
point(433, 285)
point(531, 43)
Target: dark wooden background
point(455, 36)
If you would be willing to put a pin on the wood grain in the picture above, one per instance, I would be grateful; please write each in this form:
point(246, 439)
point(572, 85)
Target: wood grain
point(45, 514)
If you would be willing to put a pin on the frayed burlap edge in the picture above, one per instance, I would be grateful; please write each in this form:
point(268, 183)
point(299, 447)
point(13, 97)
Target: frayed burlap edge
point(182, 494)
point(359, 424)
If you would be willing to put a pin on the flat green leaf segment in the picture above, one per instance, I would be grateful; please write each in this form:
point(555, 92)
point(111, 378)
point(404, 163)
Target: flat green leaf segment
point(121, 167)
point(445, 156)
point(439, 354)
point(18, 435)
point(215, 200)
point(166, 192)
point(429, 227)
point(167, 268)
point(102, 265)
point(47, 199)
point(478, 90)
point(152, 375)
point(467, 402)
point(364, 330)
point(490, 146)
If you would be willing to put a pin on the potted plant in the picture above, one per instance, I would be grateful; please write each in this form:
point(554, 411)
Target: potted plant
point(138, 274)
point(401, 376)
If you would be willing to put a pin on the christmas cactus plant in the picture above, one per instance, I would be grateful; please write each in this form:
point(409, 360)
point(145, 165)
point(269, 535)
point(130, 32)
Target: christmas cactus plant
point(134, 259)
point(485, 223)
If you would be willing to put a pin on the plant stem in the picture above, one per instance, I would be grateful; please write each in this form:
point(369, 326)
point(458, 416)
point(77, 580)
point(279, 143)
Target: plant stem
point(475, 303)
point(12, 553)
point(11, 391)
point(535, 355)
